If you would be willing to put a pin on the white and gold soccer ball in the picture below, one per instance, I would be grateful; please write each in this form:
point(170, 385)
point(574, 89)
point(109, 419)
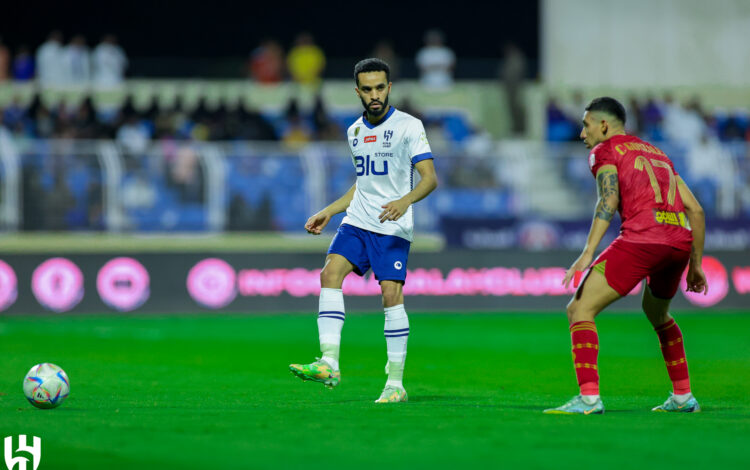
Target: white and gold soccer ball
point(46, 385)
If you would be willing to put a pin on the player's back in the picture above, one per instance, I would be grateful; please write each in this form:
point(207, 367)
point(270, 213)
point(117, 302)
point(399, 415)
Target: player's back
point(650, 204)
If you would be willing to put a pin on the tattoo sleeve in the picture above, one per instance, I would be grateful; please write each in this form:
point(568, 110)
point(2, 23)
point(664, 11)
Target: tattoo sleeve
point(607, 186)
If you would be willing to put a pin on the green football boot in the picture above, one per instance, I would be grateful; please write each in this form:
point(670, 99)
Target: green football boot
point(576, 405)
point(318, 371)
point(392, 394)
point(690, 406)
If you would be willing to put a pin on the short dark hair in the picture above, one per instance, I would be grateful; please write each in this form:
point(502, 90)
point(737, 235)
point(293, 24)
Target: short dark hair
point(372, 65)
point(608, 105)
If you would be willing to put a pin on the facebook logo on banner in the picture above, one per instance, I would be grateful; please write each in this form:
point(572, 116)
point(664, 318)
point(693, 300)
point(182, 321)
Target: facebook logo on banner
point(19, 463)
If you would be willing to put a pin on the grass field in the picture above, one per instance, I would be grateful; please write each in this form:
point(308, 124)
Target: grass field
point(214, 392)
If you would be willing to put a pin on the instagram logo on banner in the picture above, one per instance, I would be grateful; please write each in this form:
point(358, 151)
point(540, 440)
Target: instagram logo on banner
point(57, 284)
point(718, 283)
point(8, 286)
point(212, 283)
point(123, 284)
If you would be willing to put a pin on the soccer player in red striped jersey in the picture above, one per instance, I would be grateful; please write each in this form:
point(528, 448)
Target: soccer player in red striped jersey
point(662, 232)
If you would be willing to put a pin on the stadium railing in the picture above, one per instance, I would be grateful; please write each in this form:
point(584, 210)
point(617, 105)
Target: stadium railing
point(53, 185)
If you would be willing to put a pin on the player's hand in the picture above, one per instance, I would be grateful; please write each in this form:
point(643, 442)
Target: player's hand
point(394, 210)
point(696, 280)
point(317, 223)
point(581, 264)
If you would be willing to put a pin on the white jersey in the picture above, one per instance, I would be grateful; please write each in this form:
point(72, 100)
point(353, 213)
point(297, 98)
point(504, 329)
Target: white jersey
point(384, 156)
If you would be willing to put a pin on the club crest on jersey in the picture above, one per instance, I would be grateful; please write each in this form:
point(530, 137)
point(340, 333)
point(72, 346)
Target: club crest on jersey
point(371, 138)
point(386, 138)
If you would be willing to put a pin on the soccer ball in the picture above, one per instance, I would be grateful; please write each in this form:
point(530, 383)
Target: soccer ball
point(46, 386)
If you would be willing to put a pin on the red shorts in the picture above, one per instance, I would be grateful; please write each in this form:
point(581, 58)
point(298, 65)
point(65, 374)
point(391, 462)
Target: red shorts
point(627, 263)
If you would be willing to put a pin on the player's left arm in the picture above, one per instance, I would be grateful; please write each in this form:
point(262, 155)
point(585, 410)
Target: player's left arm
point(608, 189)
point(395, 209)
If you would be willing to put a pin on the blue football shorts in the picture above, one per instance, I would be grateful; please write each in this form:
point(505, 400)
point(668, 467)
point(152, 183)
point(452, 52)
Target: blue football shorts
point(385, 254)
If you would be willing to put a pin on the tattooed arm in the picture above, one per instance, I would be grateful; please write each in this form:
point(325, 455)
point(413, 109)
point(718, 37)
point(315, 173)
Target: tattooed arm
point(606, 206)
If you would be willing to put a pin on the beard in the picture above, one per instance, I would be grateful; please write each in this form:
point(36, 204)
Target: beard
point(372, 113)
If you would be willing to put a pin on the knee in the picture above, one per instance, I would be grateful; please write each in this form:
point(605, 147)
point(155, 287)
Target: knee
point(330, 278)
point(390, 299)
point(571, 311)
point(656, 312)
point(646, 306)
point(578, 312)
point(392, 296)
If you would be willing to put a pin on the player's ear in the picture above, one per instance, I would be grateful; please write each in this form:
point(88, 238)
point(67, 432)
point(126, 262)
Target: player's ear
point(605, 127)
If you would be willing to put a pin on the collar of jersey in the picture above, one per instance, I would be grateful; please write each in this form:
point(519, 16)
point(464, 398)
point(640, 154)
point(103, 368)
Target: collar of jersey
point(373, 126)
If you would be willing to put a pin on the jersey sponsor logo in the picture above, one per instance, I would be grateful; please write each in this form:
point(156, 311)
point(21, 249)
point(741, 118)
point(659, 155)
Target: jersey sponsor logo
point(387, 135)
point(371, 138)
point(672, 218)
point(398, 265)
point(366, 166)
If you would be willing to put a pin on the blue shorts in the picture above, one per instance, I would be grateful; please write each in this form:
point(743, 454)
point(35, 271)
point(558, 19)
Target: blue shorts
point(386, 254)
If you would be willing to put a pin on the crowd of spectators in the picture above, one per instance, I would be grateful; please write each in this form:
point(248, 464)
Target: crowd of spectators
point(665, 120)
point(136, 126)
point(57, 64)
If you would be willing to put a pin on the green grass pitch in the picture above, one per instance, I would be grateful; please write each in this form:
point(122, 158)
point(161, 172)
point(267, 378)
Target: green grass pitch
point(214, 392)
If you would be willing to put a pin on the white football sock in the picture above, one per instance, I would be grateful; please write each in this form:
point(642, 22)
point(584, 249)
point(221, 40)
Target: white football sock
point(590, 399)
point(330, 321)
point(396, 335)
point(682, 398)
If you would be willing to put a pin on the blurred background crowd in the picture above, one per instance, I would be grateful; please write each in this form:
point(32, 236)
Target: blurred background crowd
point(97, 138)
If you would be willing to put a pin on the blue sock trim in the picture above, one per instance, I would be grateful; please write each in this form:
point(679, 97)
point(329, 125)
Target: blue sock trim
point(396, 331)
point(329, 315)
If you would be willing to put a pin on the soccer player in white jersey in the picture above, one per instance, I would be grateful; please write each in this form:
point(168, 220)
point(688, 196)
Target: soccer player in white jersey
point(386, 146)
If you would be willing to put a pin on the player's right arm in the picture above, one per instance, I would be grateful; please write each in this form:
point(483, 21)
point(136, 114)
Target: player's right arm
point(608, 188)
point(318, 222)
point(696, 280)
